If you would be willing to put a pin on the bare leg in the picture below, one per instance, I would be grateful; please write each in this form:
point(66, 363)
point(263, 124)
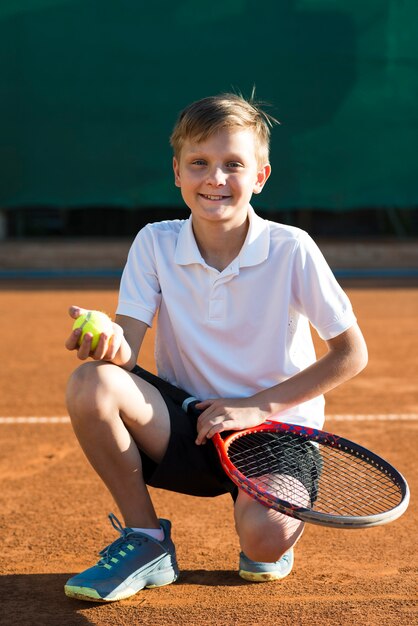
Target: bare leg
point(113, 412)
point(265, 535)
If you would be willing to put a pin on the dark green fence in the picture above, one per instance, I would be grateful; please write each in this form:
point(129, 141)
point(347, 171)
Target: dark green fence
point(89, 92)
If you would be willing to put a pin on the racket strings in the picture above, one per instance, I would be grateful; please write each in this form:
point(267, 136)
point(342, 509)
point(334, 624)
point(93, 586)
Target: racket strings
point(352, 486)
point(325, 478)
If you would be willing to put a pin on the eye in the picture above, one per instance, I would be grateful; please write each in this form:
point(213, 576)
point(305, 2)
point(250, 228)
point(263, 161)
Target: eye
point(234, 164)
point(199, 162)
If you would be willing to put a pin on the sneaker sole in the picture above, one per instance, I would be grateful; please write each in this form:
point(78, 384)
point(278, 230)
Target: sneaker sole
point(261, 577)
point(91, 595)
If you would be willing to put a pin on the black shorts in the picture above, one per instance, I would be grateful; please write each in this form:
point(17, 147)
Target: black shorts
point(186, 467)
point(196, 470)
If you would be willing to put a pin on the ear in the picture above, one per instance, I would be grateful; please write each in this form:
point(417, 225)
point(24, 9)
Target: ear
point(176, 169)
point(262, 176)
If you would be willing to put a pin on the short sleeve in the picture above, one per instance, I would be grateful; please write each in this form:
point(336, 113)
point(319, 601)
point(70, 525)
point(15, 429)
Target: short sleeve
point(317, 293)
point(140, 293)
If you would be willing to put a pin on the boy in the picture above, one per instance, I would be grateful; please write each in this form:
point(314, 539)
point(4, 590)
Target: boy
point(234, 295)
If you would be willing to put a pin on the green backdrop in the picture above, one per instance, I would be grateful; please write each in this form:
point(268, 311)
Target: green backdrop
point(90, 91)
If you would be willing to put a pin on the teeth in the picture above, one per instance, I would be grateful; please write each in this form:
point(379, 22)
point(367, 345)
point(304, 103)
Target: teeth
point(213, 197)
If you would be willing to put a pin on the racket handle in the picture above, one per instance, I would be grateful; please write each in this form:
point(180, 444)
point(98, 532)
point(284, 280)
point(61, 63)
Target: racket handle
point(189, 404)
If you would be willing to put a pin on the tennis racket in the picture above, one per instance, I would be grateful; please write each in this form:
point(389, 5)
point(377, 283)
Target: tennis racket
point(308, 474)
point(313, 476)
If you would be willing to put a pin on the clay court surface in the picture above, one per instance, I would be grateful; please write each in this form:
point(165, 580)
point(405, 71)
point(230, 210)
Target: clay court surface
point(53, 509)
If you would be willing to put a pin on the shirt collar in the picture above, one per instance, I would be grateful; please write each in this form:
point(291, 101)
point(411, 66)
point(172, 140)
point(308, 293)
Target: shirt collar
point(187, 251)
point(254, 251)
point(257, 243)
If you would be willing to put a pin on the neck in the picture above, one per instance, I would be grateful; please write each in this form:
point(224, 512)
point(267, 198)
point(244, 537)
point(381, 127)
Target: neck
point(219, 245)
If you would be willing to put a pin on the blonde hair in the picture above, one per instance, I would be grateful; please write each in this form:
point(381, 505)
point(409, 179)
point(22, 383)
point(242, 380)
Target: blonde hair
point(205, 117)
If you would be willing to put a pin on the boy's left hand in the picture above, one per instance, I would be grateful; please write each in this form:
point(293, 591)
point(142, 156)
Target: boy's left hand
point(227, 414)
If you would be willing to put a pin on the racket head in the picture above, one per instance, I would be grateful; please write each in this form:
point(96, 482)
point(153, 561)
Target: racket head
point(355, 488)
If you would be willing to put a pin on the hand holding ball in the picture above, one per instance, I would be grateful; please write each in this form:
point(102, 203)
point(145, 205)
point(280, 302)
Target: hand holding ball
point(96, 323)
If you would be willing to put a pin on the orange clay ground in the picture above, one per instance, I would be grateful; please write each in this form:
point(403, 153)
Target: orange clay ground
point(53, 509)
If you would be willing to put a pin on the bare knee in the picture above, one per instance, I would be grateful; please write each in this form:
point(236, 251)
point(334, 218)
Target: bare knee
point(263, 542)
point(265, 535)
point(89, 389)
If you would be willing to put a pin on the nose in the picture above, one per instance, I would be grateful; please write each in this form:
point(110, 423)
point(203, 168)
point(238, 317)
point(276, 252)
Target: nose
point(216, 177)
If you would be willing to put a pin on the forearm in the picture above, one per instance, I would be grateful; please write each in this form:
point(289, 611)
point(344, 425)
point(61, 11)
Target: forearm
point(346, 357)
point(125, 356)
point(130, 343)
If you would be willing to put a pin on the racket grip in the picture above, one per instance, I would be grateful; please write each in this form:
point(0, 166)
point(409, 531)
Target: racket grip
point(189, 404)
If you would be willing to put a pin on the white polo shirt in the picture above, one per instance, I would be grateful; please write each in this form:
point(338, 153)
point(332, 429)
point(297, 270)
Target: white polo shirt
point(236, 332)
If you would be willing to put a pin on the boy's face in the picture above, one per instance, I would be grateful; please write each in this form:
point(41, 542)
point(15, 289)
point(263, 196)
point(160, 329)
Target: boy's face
point(218, 176)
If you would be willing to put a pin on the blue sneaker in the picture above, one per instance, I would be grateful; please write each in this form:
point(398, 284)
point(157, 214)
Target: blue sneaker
point(127, 565)
point(263, 572)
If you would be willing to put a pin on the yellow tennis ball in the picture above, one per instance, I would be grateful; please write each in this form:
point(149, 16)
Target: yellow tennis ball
point(94, 322)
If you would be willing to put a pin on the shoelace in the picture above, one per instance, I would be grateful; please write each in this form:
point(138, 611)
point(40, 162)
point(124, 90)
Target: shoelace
point(116, 547)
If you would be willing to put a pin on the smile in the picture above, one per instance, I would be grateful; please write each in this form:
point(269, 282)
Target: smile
point(210, 197)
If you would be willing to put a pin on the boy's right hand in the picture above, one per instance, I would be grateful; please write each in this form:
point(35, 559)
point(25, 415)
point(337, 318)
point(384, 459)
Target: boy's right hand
point(106, 349)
